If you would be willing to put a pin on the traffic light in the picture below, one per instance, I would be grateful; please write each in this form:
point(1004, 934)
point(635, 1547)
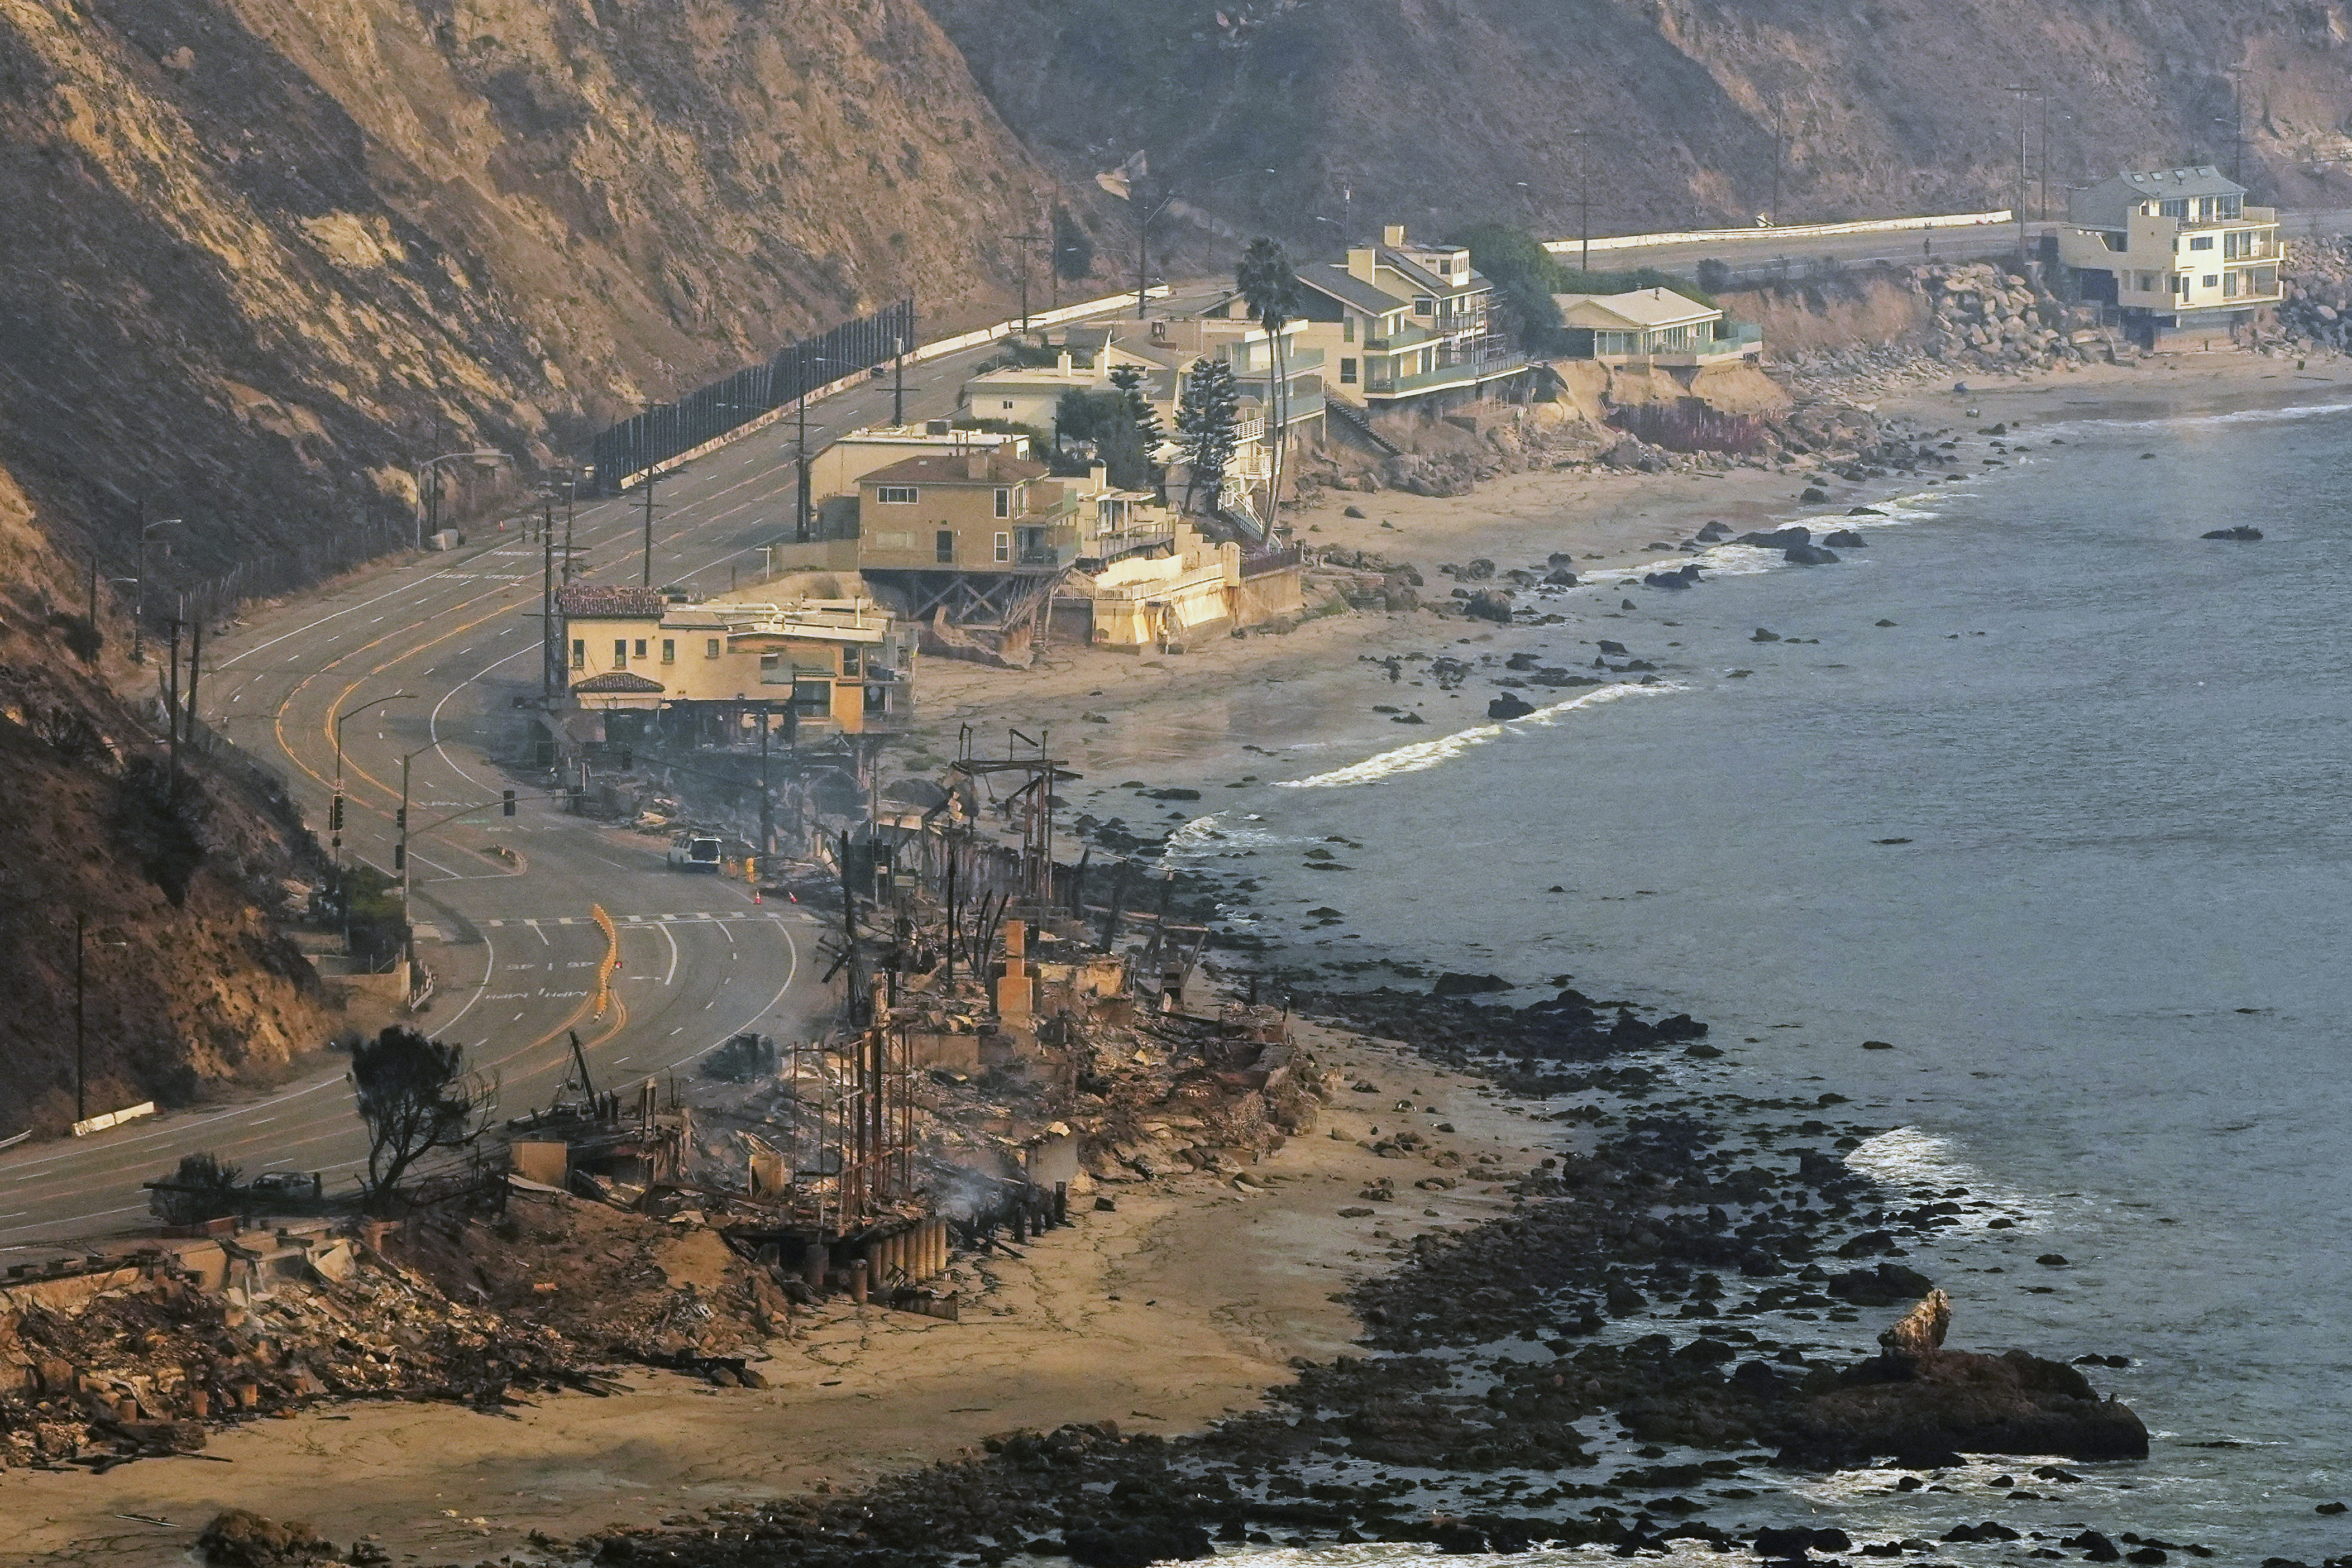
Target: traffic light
point(400, 818)
point(507, 803)
point(399, 856)
point(335, 815)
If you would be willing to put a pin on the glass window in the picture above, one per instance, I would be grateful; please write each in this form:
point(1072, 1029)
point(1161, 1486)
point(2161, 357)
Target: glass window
point(2201, 242)
point(2210, 281)
point(579, 653)
point(1346, 329)
point(2178, 207)
point(669, 650)
point(1423, 305)
point(1005, 503)
point(943, 545)
point(710, 647)
point(620, 653)
point(897, 495)
point(1005, 547)
point(1347, 372)
point(641, 647)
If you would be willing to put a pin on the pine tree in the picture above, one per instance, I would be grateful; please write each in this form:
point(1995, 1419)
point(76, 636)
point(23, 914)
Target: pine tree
point(1128, 379)
point(1207, 417)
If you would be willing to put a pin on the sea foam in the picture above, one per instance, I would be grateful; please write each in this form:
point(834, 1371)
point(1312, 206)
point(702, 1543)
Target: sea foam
point(1429, 753)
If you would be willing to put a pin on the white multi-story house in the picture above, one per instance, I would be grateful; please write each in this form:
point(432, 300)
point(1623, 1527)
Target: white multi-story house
point(1405, 326)
point(2177, 251)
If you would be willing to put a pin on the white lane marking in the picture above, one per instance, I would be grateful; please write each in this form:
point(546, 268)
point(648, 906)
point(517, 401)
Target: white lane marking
point(792, 952)
point(406, 587)
point(433, 719)
point(671, 971)
point(538, 933)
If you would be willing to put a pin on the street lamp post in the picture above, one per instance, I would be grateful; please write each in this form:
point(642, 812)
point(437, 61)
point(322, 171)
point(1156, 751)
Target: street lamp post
point(334, 821)
point(428, 472)
point(139, 615)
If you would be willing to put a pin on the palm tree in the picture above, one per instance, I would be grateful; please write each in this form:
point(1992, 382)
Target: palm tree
point(1268, 284)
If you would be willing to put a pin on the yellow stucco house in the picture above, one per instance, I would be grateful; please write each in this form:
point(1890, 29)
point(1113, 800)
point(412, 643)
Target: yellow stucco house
point(831, 661)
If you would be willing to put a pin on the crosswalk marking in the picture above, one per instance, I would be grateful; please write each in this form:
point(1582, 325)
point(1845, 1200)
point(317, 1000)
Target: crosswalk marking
point(688, 917)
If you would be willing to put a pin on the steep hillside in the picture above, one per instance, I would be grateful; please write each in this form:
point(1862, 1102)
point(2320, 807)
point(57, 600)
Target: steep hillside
point(263, 253)
point(1434, 111)
point(261, 257)
point(188, 986)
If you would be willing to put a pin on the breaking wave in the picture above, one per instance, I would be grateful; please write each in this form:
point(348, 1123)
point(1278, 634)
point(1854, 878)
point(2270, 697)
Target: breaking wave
point(1423, 754)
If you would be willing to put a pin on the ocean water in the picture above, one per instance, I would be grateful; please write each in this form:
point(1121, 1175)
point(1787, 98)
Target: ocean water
point(2111, 950)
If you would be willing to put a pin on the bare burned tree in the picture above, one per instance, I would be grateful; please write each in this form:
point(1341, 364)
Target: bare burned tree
point(415, 1096)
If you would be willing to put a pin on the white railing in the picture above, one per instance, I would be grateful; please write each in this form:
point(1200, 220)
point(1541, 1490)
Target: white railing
point(1790, 231)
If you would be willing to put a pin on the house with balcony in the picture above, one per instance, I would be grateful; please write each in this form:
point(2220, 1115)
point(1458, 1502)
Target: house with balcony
point(971, 545)
point(1407, 327)
point(2175, 252)
point(813, 654)
point(1653, 328)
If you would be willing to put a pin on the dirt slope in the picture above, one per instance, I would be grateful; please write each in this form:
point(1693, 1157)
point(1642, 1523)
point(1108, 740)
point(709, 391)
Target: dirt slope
point(261, 257)
point(1435, 110)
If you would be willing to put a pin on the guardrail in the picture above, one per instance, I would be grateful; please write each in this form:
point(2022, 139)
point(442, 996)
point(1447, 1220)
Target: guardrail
point(113, 1119)
point(1791, 231)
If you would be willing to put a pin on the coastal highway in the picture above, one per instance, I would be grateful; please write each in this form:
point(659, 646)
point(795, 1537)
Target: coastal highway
point(1752, 255)
point(513, 941)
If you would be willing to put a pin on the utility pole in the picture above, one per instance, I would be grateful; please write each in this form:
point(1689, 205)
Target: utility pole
point(172, 713)
point(551, 654)
point(2022, 250)
point(1584, 195)
point(1780, 142)
point(81, 948)
point(570, 489)
point(898, 382)
point(648, 578)
point(1025, 241)
point(767, 791)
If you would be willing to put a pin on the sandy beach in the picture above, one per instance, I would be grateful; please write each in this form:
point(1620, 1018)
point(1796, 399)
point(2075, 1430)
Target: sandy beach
point(1182, 1305)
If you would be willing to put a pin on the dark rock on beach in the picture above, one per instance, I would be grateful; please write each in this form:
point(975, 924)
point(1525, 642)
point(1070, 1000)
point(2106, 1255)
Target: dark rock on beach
point(1508, 707)
point(2241, 531)
point(1918, 1396)
point(1809, 555)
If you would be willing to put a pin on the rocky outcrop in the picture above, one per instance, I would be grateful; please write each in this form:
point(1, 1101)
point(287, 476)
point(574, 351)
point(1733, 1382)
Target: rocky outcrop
point(1918, 1397)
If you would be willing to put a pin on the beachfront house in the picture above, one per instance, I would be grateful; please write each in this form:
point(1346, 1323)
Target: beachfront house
point(2177, 253)
point(1406, 327)
point(1652, 328)
point(818, 654)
